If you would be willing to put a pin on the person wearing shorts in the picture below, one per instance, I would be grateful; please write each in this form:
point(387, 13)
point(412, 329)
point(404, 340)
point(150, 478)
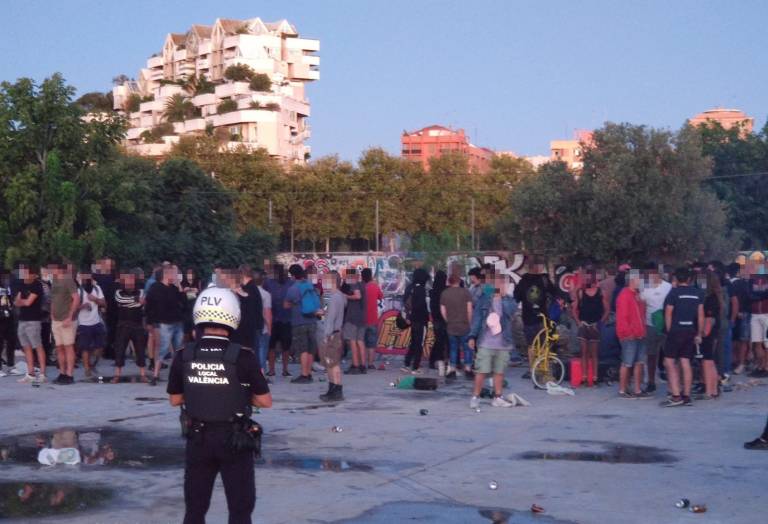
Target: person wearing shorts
point(332, 345)
point(65, 304)
point(759, 323)
point(353, 331)
point(590, 308)
point(684, 320)
point(373, 297)
point(91, 334)
point(303, 327)
point(631, 331)
point(491, 333)
point(29, 299)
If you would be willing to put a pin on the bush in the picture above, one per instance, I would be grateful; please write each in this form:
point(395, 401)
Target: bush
point(261, 82)
point(255, 105)
point(226, 106)
point(156, 134)
point(238, 73)
point(133, 102)
point(272, 106)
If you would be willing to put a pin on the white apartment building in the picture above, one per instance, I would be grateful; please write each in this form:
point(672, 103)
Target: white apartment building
point(275, 120)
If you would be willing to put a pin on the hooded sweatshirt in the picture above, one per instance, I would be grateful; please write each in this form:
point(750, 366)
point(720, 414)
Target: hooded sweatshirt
point(630, 315)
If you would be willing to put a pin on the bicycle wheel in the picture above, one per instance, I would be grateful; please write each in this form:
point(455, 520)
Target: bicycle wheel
point(547, 368)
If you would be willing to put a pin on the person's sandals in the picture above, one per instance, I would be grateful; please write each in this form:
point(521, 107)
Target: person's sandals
point(287, 373)
point(626, 395)
point(270, 373)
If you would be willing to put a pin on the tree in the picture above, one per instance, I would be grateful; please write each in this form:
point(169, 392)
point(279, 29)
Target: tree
point(120, 79)
point(238, 73)
point(199, 85)
point(260, 82)
point(226, 106)
point(740, 161)
point(95, 102)
point(638, 196)
point(133, 103)
point(178, 108)
point(45, 148)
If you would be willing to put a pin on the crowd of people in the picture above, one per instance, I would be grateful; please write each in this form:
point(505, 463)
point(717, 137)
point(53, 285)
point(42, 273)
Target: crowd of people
point(693, 327)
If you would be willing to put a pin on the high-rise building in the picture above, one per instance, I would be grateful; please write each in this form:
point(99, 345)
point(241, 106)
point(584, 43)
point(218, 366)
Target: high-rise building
point(727, 118)
point(186, 83)
point(434, 141)
point(571, 151)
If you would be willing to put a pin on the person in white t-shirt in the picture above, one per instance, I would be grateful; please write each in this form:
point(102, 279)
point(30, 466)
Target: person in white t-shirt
point(654, 292)
point(91, 333)
point(266, 333)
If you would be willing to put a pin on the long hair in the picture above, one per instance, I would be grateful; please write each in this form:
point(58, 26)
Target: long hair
point(715, 288)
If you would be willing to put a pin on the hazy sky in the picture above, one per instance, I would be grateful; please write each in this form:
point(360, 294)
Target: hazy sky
point(513, 74)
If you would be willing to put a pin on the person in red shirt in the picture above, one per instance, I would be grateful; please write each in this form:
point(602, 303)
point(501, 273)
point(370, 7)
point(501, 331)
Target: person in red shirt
point(373, 296)
point(630, 329)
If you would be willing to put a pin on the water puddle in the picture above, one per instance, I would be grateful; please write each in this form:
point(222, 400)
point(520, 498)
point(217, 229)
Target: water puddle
point(97, 447)
point(132, 449)
point(612, 453)
point(447, 513)
point(312, 464)
point(43, 499)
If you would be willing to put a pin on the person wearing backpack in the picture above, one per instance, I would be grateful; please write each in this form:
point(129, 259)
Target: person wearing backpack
point(654, 295)
point(304, 302)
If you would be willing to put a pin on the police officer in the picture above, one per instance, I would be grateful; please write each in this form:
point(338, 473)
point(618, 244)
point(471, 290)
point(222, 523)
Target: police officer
point(216, 382)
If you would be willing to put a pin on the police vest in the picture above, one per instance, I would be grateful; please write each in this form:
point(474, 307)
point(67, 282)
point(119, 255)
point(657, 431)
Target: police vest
point(212, 390)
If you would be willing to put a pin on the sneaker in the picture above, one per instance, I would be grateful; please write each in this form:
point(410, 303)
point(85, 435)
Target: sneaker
point(363, 370)
point(725, 379)
point(270, 373)
point(15, 372)
point(474, 403)
point(58, 379)
point(687, 401)
point(650, 388)
point(706, 396)
point(738, 371)
point(626, 395)
point(317, 367)
point(698, 389)
point(499, 402)
point(3, 373)
point(673, 402)
point(302, 379)
point(41, 379)
point(287, 373)
point(643, 395)
point(26, 379)
point(469, 374)
point(417, 372)
point(352, 370)
point(758, 443)
point(153, 381)
point(451, 374)
point(371, 366)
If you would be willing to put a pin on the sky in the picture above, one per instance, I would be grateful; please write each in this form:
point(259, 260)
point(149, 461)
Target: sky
point(513, 74)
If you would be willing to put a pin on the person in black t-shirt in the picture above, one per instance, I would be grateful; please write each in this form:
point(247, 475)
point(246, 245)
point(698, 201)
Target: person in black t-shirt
point(713, 305)
point(129, 328)
point(684, 320)
point(738, 289)
point(29, 299)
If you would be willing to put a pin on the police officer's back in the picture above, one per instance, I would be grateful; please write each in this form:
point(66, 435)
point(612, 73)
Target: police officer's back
point(217, 382)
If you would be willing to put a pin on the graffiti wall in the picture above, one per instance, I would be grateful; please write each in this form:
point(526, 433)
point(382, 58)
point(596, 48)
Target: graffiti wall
point(392, 271)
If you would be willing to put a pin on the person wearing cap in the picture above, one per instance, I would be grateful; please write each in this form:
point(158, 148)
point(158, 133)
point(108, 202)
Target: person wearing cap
point(491, 334)
point(217, 382)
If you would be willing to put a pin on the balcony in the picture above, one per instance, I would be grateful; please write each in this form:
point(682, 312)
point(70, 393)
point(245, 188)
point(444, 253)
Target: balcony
point(155, 62)
point(231, 89)
point(305, 44)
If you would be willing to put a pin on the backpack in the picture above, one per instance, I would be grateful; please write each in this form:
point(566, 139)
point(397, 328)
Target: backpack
point(310, 300)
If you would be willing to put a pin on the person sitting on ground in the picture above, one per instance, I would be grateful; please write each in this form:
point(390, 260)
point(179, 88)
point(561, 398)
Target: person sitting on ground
point(491, 334)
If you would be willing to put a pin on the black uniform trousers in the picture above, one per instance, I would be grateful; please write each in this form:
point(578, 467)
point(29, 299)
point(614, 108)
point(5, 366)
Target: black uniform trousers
point(208, 455)
point(8, 341)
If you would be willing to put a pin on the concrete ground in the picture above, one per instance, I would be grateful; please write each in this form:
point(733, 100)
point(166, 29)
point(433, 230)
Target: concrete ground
point(590, 458)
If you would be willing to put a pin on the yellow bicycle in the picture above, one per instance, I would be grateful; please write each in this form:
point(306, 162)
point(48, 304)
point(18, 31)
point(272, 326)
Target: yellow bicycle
point(545, 366)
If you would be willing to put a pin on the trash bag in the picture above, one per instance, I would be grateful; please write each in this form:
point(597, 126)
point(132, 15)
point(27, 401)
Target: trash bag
point(555, 389)
point(425, 384)
point(517, 400)
point(406, 383)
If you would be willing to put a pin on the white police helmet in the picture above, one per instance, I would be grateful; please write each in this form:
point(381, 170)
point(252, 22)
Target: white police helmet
point(217, 305)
